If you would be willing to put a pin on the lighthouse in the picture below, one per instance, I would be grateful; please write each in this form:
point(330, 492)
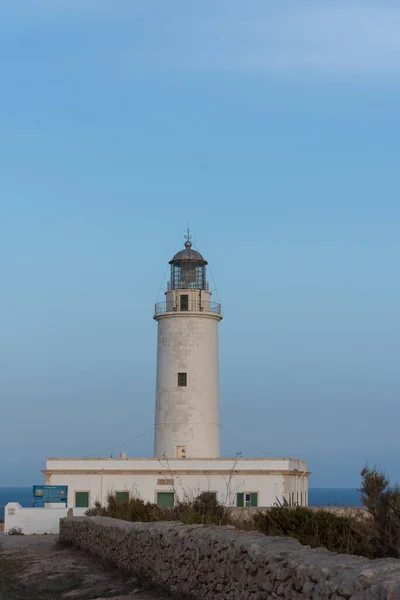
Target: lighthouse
point(186, 459)
point(187, 388)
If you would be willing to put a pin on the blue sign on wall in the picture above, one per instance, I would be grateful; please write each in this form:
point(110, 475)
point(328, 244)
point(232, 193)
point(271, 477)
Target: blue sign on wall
point(50, 494)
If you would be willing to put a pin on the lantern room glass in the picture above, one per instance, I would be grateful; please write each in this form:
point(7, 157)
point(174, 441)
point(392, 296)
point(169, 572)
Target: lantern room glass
point(188, 274)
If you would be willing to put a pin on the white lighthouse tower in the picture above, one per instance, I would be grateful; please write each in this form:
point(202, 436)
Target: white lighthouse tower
point(187, 388)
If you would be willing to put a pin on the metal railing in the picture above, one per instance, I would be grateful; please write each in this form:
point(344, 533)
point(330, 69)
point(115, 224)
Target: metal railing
point(182, 285)
point(207, 307)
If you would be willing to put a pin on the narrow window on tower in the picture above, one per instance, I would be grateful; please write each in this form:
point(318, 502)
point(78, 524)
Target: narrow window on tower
point(182, 379)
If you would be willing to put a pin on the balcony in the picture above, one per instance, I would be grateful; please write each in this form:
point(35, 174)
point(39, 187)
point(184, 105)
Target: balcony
point(206, 307)
point(184, 285)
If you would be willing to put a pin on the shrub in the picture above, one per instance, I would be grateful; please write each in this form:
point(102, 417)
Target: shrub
point(346, 535)
point(203, 509)
point(376, 537)
point(97, 511)
point(134, 509)
point(383, 504)
point(15, 531)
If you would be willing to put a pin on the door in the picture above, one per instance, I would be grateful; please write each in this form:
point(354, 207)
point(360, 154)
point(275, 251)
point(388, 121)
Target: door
point(184, 302)
point(165, 499)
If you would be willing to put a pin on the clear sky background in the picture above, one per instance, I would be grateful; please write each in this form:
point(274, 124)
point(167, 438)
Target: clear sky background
point(274, 128)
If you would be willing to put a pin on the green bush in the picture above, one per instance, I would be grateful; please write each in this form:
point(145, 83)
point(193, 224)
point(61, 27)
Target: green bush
point(203, 509)
point(376, 537)
point(97, 511)
point(383, 504)
point(345, 535)
point(134, 510)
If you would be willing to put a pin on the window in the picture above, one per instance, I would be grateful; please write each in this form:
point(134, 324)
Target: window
point(165, 499)
point(251, 499)
point(209, 496)
point(184, 302)
point(247, 499)
point(182, 379)
point(181, 452)
point(82, 499)
point(122, 497)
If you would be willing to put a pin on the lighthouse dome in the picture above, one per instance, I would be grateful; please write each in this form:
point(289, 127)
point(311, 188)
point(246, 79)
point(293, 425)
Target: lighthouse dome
point(188, 254)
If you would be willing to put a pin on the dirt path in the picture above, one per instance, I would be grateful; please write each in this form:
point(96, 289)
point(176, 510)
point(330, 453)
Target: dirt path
point(36, 568)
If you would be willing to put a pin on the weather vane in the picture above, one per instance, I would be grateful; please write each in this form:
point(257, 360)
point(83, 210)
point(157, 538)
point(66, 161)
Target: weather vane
point(188, 236)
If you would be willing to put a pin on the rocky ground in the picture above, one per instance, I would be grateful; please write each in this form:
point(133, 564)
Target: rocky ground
point(37, 568)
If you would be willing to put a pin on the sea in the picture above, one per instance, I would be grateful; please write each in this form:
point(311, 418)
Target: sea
point(316, 497)
point(23, 495)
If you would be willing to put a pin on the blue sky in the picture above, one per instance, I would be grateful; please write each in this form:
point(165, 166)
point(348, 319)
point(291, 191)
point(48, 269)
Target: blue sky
point(274, 128)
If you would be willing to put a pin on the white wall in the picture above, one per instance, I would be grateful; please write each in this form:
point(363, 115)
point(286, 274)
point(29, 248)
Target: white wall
point(272, 479)
point(185, 486)
point(155, 464)
point(36, 520)
point(269, 487)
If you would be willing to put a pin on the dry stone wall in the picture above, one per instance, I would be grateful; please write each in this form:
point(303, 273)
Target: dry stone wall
point(221, 563)
point(246, 514)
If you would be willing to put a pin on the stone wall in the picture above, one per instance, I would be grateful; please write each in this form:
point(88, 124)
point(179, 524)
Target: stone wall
point(218, 563)
point(238, 515)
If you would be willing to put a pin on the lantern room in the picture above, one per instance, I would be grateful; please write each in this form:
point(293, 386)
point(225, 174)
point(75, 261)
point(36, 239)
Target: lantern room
point(188, 270)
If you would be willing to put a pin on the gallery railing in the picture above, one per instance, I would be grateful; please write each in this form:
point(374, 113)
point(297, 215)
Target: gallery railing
point(208, 307)
point(191, 285)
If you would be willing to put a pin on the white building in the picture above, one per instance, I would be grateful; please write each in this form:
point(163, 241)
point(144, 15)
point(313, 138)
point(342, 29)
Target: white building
point(187, 426)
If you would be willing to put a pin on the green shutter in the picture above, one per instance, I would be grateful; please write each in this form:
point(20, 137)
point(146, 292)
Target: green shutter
point(165, 499)
point(240, 500)
point(82, 499)
point(254, 499)
point(122, 497)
